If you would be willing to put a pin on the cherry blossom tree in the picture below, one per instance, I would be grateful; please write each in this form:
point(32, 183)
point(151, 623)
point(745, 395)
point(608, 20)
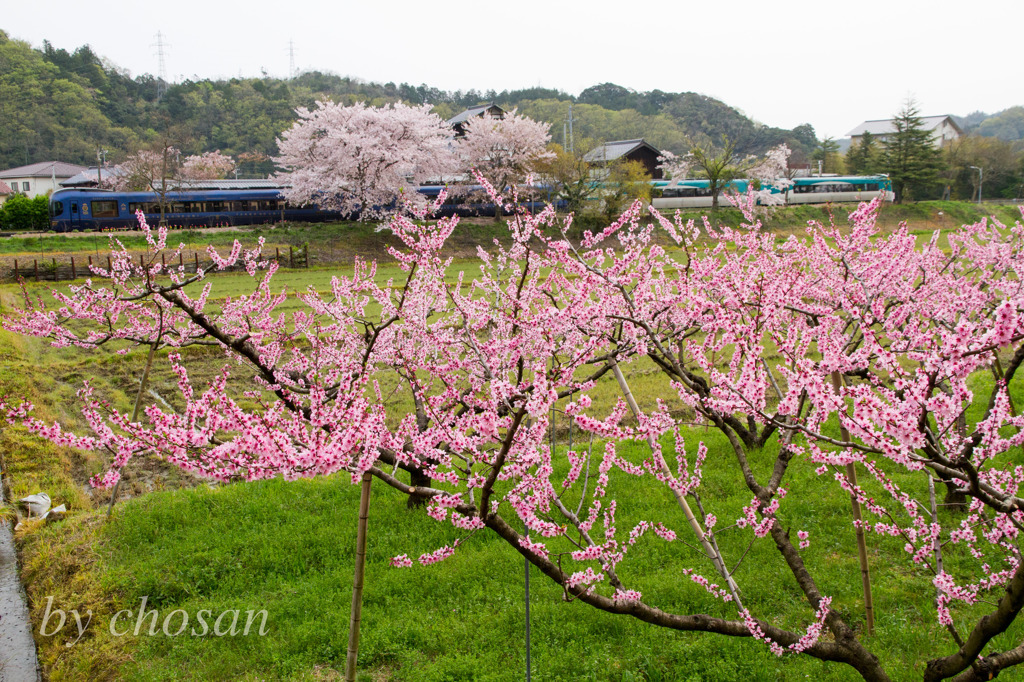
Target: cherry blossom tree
point(365, 160)
point(844, 348)
point(207, 166)
point(505, 150)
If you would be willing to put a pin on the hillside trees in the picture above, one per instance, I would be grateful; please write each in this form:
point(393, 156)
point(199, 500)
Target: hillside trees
point(846, 348)
point(364, 160)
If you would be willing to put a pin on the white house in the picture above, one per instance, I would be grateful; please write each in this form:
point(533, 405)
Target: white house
point(39, 178)
point(5, 191)
point(943, 129)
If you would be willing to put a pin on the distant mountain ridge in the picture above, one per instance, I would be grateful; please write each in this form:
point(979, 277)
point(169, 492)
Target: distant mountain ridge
point(56, 104)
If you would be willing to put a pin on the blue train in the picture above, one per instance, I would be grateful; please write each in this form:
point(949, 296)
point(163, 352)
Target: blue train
point(96, 209)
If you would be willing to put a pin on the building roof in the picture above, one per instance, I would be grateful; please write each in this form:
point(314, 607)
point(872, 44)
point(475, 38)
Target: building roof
point(885, 126)
point(5, 188)
point(88, 177)
point(610, 151)
point(473, 111)
point(43, 169)
point(235, 183)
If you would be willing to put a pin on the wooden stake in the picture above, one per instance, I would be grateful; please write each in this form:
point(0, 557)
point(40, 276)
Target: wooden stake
point(862, 547)
point(715, 556)
point(357, 582)
point(135, 416)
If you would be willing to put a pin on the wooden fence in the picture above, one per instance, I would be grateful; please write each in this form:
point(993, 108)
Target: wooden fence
point(69, 267)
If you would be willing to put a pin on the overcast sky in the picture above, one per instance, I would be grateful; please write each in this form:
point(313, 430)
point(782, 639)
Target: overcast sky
point(830, 64)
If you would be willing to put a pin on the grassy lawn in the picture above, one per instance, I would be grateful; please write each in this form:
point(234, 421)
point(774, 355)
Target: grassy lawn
point(288, 548)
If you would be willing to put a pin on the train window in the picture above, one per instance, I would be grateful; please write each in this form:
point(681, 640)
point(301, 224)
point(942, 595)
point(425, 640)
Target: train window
point(104, 209)
point(214, 206)
point(268, 204)
point(871, 187)
point(56, 208)
point(74, 208)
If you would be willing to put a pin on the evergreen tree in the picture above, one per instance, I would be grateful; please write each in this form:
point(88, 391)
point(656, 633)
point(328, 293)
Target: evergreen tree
point(910, 158)
point(862, 157)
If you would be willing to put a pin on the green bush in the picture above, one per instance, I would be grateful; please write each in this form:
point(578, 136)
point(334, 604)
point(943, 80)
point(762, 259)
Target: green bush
point(21, 213)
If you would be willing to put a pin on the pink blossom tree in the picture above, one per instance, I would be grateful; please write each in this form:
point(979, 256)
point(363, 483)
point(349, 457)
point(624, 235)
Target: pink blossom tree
point(505, 150)
point(846, 347)
point(207, 166)
point(365, 160)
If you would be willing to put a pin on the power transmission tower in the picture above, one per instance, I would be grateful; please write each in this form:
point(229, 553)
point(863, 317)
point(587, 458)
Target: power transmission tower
point(291, 59)
point(161, 86)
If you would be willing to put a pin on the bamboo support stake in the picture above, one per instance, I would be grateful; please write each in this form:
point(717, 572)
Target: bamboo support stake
point(135, 415)
point(357, 583)
point(716, 557)
point(862, 547)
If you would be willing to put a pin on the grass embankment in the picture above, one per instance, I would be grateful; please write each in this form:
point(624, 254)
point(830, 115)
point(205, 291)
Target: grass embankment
point(288, 548)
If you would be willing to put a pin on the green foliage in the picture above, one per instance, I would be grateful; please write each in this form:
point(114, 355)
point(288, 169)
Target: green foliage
point(21, 213)
point(1007, 125)
point(828, 153)
point(863, 158)
point(910, 158)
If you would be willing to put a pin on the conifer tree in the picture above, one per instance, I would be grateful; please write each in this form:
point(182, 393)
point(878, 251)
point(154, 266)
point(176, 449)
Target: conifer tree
point(910, 158)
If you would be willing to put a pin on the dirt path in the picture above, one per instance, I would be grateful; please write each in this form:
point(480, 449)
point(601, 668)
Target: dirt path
point(18, 662)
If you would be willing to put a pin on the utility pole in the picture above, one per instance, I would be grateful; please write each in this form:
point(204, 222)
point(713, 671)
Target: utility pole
point(101, 158)
point(980, 180)
point(572, 139)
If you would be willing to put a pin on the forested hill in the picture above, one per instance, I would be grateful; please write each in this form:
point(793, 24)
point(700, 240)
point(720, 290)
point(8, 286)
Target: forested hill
point(60, 105)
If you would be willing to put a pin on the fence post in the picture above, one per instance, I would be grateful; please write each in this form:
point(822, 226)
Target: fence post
point(74, 274)
point(181, 260)
point(291, 257)
point(163, 261)
point(277, 255)
point(15, 269)
point(35, 266)
point(196, 254)
point(55, 274)
point(108, 264)
point(90, 263)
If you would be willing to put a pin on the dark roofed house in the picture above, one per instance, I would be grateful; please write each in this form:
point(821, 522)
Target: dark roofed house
point(631, 150)
point(39, 178)
point(458, 122)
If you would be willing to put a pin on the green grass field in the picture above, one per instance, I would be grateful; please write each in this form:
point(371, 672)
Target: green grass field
point(289, 548)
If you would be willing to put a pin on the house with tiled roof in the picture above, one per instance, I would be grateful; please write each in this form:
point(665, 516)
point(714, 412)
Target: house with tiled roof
point(5, 191)
point(458, 122)
point(630, 150)
point(39, 178)
point(943, 129)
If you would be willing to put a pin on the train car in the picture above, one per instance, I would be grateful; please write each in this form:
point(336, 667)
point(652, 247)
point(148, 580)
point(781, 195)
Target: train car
point(825, 189)
point(472, 200)
point(671, 194)
point(94, 209)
